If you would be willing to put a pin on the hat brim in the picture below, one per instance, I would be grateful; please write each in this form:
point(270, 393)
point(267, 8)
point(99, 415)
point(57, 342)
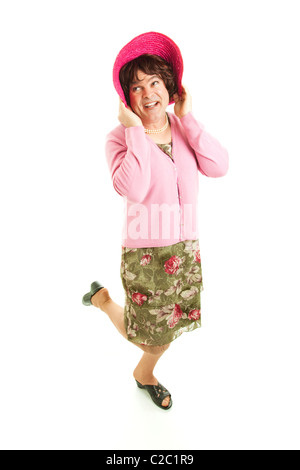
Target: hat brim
point(149, 43)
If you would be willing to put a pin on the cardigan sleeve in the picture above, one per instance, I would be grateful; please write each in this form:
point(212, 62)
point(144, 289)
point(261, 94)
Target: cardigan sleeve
point(211, 156)
point(129, 163)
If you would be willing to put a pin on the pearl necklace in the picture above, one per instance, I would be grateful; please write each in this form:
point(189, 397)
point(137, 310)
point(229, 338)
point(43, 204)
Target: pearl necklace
point(158, 131)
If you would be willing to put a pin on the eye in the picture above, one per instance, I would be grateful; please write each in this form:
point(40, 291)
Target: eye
point(135, 88)
point(156, 81)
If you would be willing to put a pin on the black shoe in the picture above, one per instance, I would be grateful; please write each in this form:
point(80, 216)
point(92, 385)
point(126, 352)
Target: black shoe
point(95, 286)
point(158, 393)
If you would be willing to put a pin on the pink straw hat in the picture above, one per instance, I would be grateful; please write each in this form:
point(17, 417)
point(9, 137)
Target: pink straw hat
point(149, 43)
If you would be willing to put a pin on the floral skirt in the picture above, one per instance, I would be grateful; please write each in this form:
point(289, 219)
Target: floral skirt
point(162, 291)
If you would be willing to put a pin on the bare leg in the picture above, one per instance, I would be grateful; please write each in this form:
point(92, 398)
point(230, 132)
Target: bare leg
point(115, 312)
point(143, 373)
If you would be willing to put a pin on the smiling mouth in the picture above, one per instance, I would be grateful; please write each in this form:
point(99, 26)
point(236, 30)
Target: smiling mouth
point(151, 105)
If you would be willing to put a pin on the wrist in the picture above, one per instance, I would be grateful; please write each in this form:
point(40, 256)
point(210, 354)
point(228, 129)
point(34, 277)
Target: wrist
point(181, 115)
point(135, 125)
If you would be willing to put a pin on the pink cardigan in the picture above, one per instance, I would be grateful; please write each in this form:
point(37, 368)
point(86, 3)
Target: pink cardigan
point(161, 195)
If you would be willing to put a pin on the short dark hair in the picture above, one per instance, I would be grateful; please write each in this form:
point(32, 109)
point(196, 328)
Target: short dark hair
point(151, 65)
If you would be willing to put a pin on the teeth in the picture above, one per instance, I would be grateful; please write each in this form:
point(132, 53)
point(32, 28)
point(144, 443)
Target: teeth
point(150, 105)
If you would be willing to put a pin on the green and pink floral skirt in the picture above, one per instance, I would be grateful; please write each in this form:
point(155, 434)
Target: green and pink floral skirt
point(162, 291)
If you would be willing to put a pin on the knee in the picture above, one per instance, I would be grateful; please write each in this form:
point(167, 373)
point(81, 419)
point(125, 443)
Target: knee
point(155, 350)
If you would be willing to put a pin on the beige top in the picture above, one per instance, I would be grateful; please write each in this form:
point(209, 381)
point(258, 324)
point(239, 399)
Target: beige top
point(167, 148)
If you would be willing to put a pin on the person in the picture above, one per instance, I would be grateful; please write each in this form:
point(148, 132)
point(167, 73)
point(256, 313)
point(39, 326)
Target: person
point(154, 158)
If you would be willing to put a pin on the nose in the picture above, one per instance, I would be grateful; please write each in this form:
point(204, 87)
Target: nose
point(148, 92)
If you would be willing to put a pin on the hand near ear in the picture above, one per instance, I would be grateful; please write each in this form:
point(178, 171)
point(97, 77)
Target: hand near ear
point(127, 117)
point(182, 105)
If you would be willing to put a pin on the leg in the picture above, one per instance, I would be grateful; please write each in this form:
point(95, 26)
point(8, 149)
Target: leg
point(143, 372)
point(115, 312)
point(103, 301)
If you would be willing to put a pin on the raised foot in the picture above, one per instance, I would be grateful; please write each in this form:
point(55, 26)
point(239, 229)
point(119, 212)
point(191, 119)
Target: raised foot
point(99, 299)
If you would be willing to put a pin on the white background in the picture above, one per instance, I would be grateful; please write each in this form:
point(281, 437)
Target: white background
point(66, 372)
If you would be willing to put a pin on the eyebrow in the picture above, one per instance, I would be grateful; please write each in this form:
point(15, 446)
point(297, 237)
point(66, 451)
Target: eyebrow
point(137, 82)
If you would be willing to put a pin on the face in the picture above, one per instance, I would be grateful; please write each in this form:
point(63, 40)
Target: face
point(149, 98)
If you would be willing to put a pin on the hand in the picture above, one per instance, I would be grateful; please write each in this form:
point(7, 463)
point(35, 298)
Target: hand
point(127, 117)
point(182, 105)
